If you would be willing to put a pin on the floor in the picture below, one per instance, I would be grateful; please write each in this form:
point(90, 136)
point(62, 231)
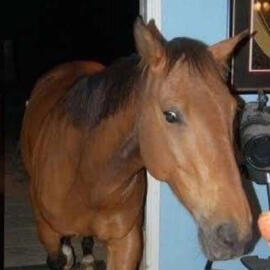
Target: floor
point(100, 265)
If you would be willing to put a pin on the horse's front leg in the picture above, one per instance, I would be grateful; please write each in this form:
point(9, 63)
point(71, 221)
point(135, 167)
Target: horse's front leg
point(60, 251)
point(125, 253)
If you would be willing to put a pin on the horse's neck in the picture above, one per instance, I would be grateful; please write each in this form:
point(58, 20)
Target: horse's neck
point(113, 146)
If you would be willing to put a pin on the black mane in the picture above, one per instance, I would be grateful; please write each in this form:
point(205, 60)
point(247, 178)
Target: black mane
point(194, 52)
point(95, 97)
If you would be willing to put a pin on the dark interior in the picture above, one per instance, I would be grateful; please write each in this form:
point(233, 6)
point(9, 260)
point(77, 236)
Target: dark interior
point(43, 33)
point(40, 34)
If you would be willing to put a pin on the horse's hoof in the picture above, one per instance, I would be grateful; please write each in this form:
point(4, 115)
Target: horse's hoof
point(87, 267)
point(65, 260)
point(67, 250)
point(88, 263)
point(56, 263)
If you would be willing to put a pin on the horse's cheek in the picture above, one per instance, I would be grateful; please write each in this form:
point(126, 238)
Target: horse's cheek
point(153, 154)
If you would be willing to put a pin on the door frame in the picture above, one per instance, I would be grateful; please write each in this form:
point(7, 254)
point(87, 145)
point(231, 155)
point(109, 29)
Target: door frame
point(151, 9)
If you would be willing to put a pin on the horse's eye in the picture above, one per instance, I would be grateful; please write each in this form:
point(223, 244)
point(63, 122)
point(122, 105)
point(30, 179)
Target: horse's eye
point(171, 116)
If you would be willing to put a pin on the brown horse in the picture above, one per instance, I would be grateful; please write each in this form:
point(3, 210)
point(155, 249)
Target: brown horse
point(89, 133)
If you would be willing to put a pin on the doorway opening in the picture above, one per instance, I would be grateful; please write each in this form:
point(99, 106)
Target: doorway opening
point(39, 35)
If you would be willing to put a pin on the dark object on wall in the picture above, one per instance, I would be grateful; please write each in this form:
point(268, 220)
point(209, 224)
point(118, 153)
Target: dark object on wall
point(255, 263)
point(255, 139)
point(208, 265)
point(251, 65)
point(255, 145)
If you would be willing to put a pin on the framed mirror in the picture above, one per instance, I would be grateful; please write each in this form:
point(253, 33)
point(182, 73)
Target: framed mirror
point(251, 64)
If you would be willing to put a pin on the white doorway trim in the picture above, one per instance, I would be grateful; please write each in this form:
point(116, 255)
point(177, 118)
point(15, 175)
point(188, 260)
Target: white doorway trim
point(152, 224)
point(151, 9)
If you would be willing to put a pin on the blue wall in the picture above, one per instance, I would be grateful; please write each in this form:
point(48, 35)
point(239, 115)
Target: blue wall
point(206, 20)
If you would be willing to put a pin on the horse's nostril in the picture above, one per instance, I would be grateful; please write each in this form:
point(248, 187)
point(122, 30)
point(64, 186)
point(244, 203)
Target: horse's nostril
point(227, 235)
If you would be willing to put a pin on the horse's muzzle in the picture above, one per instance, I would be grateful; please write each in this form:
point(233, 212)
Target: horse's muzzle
point(223, 242)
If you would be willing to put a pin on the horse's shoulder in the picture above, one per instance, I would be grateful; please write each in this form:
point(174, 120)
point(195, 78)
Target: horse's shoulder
point(44, 101)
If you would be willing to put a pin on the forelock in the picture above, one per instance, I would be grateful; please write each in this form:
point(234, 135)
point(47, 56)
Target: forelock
point(193, 52)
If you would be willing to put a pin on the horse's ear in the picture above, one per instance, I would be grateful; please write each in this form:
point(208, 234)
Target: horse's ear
point(154, 30)
point(150, 44)
point(223, 50)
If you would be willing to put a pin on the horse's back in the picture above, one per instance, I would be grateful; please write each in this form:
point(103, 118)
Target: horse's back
point(47, 93)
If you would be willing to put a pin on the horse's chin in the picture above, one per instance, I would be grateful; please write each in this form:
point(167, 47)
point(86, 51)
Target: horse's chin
point(216, 251)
